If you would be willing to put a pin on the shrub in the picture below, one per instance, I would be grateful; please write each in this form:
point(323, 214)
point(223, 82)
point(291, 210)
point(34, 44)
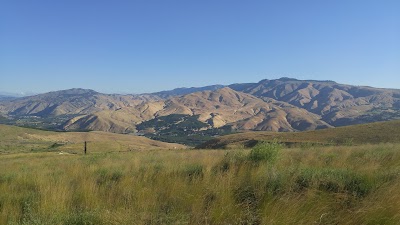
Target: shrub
point(275, 183)
point(265, 151)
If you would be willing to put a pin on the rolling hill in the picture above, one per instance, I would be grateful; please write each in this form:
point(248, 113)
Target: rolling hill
point(373, 133)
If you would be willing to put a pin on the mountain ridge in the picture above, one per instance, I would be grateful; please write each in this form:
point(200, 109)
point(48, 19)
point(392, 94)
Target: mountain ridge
point(284, 104)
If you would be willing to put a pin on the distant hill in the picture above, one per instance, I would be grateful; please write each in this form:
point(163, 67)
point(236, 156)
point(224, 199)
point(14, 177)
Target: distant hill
point(185, 91)
point(17, 139)
point(6, 97)
point(379, 132)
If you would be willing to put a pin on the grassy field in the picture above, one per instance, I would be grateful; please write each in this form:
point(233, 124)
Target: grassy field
point(373, 133)
point(23, 140)
point(266, 185)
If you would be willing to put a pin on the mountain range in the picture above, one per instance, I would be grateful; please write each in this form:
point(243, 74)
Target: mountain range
point(283, 104)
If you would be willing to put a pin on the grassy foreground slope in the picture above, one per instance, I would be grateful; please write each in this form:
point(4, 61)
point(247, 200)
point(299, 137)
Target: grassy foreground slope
point(380, 132)
point(17, 139)
point(320, 185)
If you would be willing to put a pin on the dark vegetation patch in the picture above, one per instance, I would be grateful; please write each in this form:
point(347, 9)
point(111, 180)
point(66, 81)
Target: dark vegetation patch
point(49, 123)
point(180, 128)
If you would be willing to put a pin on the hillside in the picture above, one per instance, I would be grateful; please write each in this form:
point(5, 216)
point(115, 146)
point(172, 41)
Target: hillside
point(379, 132)
point(17, 139)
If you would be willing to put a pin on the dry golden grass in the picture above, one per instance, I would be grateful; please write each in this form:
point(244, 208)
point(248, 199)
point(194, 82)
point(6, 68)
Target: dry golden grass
point(16, 139)
point(317, 185)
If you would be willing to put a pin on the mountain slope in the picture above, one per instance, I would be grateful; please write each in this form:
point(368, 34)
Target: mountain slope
point(243, 111)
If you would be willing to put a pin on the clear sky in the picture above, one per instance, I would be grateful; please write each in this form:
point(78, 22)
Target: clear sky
point(145, 45)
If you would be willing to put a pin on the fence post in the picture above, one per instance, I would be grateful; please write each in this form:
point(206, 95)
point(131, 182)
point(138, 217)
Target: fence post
point(85, 148)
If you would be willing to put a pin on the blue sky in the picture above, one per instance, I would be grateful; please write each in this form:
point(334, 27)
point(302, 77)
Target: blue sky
point(145, 45)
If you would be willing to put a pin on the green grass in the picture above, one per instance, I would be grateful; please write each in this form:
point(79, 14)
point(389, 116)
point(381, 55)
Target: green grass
point(373, 133)
point(305, 185)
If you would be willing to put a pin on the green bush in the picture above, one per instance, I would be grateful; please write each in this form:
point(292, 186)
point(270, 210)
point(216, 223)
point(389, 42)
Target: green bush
point(265, 151)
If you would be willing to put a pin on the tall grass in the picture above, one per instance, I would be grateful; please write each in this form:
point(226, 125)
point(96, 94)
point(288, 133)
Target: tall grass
point(330, 185)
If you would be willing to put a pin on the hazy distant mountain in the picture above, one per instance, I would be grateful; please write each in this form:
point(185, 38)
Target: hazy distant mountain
point(6, 97)
point(278, 105)
point(185, 91)
point(16, 95)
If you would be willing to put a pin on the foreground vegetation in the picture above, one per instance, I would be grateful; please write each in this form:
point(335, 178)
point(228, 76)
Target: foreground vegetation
point(265, 185)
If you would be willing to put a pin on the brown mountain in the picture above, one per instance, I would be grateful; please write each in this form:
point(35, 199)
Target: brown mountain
point(338, 104)
point(245, 112)
point(278, 105)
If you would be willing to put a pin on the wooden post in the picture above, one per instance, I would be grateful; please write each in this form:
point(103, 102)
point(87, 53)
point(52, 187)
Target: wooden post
point(85, 148)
